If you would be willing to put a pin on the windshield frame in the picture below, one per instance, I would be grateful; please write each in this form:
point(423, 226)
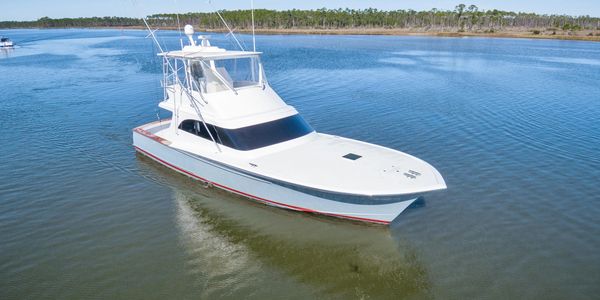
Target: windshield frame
point(212, 75)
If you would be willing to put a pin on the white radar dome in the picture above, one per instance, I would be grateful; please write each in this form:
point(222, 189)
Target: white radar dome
point(188, 29)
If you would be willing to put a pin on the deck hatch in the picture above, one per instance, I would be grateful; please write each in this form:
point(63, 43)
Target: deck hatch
point(352, 156)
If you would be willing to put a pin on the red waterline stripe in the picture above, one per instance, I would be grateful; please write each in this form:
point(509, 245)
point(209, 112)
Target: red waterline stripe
point(256, 197)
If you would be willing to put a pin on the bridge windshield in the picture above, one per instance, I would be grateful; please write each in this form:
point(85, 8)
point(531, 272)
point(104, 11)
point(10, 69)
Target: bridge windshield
point(221, 74)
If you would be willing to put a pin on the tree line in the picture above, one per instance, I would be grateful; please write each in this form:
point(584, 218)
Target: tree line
point(46, 22)
point(462, 18)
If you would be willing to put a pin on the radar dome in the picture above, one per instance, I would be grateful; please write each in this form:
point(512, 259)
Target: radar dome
point(188, 29)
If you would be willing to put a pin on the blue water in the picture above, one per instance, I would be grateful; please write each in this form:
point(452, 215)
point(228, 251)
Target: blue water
point(511, 124)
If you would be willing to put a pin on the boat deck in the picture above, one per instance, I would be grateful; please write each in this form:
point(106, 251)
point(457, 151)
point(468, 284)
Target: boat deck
point(318, 161)
point(343, 165)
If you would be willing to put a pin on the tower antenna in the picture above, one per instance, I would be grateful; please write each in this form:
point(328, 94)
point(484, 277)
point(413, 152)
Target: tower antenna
point(253, 36)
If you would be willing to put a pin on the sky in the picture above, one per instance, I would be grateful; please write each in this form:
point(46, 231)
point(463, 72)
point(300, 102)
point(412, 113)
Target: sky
point(23, 10)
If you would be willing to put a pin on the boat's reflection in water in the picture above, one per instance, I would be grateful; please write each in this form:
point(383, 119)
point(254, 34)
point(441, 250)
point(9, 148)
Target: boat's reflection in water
point(5, 52)
point(238, 248)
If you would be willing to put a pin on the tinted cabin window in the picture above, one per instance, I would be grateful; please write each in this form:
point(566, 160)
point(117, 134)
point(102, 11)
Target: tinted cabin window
point(251, 137)
point(269, 133)
point(197, 128)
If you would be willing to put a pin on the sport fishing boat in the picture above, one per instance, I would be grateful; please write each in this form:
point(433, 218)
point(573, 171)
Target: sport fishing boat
point(231, 130)
point(6, 42)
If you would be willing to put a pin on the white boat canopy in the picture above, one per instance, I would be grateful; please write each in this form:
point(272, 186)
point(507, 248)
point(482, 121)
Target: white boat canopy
point(200, 54)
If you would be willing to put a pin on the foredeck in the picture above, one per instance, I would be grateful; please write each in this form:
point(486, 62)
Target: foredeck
point(337, 164)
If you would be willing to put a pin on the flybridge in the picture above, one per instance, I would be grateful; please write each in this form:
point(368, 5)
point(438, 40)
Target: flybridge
point(204, 50)
point(200, 74)
point(201, 69)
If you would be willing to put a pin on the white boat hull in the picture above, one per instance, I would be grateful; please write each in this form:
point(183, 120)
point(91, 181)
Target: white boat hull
point(256, 188)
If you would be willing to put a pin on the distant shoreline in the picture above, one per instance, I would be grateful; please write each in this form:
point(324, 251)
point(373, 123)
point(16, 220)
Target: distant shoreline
point(462, 21)
point(412, 32)
point(528, 34)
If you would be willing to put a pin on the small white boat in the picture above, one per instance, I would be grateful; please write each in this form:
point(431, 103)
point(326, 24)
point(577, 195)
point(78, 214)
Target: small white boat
point(231, 130)
point(6, 43)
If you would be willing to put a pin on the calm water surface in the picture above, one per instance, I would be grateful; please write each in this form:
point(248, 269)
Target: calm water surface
point(512, 124)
